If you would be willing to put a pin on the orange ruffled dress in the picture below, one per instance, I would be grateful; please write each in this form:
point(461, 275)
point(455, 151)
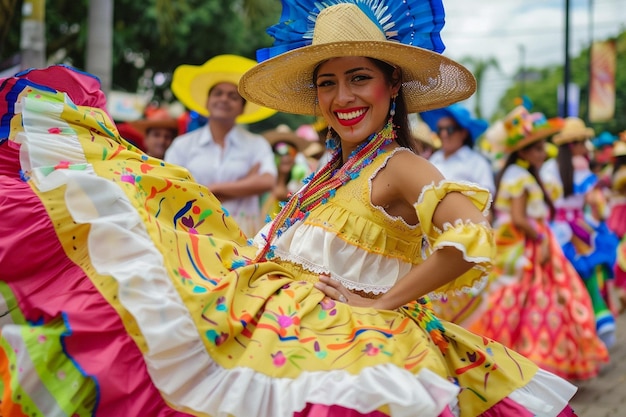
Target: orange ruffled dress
point(542, 311)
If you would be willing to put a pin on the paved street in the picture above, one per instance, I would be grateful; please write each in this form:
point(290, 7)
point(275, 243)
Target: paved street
point(605, 396)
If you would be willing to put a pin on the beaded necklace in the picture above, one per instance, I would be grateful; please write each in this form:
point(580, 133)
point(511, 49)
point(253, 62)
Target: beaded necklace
point(324, 184)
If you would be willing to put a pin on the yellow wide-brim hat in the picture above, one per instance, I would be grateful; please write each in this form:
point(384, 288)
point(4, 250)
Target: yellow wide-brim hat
point(574, 130)
point(285, 82)
point(191, 85)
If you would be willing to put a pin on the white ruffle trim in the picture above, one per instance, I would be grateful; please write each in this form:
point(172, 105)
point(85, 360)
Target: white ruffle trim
point(176, 359)
point(546, 395)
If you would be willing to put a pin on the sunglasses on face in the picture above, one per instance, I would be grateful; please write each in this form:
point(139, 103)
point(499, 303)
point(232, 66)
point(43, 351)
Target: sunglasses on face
point(448, 129)
point(284, 148)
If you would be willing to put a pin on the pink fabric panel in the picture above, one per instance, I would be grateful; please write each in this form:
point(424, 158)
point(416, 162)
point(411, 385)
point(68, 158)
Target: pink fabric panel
point(47, 284)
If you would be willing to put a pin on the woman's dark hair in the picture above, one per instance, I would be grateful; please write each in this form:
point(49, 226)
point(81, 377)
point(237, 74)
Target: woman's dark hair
point(620, 161)
point(566, 169)
point(512, 159)
point(401, 117)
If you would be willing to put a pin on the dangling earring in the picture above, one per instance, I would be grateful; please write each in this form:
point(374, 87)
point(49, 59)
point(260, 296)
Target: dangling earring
point(392, 108)
point(331, 141)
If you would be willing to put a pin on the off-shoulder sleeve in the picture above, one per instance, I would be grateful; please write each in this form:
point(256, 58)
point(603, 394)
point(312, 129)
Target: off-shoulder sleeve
point(515, 182)
point(475, 241)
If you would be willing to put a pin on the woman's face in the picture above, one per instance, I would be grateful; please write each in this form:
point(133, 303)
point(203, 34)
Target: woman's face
point(534, 154)
point(354, 97)
point(284, 156)
point(578, 148)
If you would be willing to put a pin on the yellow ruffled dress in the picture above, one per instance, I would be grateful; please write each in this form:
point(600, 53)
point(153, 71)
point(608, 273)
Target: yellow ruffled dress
point(139, 296)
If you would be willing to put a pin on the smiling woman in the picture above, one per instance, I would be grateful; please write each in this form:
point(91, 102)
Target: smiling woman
point(326, 312)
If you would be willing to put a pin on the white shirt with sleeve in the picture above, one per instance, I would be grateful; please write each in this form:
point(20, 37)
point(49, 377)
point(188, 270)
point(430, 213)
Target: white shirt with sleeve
point(209, 163)
point(465, 165)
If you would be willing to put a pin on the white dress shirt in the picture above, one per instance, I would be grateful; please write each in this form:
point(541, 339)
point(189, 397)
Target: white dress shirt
point(465, 165)
point(209, 163)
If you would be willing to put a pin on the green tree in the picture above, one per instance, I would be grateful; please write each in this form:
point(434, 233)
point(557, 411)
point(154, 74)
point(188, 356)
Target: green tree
point(7, 10)
point(479, 68)
point(542, 90)
point(154, 37)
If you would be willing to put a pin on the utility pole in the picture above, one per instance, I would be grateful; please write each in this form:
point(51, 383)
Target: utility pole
point(566, 70)
point(100, 42)
point(589, 57)
point(33, 35)
point(522, 53)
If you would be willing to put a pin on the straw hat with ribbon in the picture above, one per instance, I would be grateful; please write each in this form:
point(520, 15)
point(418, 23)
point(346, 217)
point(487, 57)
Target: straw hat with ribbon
point(574, 130)
point(404, 34)
point(191, 85)
point(524, 128)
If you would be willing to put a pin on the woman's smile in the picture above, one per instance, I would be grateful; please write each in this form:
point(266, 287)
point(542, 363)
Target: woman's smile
point(350, 117)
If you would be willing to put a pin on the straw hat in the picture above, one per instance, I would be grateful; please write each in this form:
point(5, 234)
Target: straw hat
point(282, 133)
point(524, 128)
point(619, 148)
point(285, 82)
point(461, 115)
point(314, 150)
point(191, 85)
point(574, 130)
point(421, 132)
point(158, 118)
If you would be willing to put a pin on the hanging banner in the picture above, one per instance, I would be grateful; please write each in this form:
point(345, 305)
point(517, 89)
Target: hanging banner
point(602, 83)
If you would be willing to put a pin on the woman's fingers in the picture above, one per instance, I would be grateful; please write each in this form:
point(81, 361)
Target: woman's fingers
point(331, 288)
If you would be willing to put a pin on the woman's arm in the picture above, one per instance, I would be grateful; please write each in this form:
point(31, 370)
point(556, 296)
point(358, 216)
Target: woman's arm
point(252, 184)
point(519, 218)
point(403, 180)
point(442, 266)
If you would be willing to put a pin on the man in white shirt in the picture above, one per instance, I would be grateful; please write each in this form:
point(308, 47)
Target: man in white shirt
point(456, 159)
point(237, 166)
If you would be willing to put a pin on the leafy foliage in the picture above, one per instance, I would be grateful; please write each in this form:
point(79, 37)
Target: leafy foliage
point(542, 91)
point(155, 36)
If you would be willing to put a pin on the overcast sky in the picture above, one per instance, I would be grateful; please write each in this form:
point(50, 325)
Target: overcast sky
point(532, 30)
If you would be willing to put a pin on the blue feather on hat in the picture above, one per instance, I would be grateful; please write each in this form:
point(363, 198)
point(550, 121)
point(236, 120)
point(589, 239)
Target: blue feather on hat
point(411, 22)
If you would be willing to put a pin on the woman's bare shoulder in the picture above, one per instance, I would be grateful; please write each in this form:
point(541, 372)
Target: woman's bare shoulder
point(408, 164)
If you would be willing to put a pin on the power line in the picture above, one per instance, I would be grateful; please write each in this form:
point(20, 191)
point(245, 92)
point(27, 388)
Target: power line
point(531, 32)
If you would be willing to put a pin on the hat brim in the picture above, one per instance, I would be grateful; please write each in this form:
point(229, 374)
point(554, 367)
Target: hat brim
point(573, 136)
point(619, 149)
point(285, 82)
point(536, 136)
point(191, 85)
point(273, 137)
point(143, 125)
point(475, 127)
